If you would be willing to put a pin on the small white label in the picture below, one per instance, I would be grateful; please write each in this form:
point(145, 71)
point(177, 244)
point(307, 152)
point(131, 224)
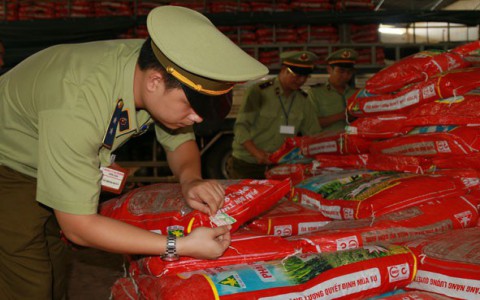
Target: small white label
point(112, 178)
point(286, 129)
point(222, 218)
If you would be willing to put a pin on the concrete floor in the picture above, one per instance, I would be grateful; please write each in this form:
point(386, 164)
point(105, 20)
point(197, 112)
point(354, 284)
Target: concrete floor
point(93, 273)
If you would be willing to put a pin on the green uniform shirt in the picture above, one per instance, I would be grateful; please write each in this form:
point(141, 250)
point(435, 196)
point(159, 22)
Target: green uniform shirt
point(55, 108)
point(329, 102)
point(261, 116)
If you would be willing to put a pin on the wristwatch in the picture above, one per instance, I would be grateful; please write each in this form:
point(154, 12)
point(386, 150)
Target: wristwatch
point(171, 250)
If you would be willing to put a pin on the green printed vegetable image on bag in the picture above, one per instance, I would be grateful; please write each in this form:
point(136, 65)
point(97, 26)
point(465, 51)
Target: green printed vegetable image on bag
point(363, 194)
point(303, 269)
point(350, 274)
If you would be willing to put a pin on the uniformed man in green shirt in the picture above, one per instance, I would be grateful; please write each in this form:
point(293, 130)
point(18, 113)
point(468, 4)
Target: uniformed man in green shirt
point(272, 111)
point(330, 99)
point(65, 109)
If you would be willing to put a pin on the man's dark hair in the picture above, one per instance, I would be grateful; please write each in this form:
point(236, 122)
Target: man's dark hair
point(147, 60)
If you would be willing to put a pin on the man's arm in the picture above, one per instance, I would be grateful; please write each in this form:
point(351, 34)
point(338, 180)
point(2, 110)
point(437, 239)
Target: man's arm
point(261, 155)
point(327, 121)
point(205, 195)
point(114, 236)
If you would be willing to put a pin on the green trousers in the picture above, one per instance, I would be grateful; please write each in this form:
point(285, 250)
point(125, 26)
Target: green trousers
point(33, 258)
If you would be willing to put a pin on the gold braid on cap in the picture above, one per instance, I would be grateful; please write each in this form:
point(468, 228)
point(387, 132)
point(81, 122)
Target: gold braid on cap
point(309, 66)
point(198, 83)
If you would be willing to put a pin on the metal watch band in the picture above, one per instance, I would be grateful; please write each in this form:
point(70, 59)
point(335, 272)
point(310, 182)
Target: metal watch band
point(171, 249)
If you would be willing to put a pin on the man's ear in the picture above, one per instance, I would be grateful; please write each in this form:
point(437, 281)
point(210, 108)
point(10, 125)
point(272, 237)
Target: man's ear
point(154, 80)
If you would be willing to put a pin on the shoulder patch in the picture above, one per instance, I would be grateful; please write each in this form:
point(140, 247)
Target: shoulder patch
point(266, 84)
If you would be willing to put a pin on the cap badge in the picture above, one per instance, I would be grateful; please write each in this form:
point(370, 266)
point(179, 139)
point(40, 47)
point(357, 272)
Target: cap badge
point(304, 57)
point(346, 54)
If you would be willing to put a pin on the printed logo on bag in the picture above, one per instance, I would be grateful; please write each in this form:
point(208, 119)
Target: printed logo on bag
point(233, 281)
point(283, 230)
point(398, 272)
point(350, 242)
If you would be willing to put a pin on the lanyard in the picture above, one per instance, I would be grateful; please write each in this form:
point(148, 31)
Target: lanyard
point(286, 112)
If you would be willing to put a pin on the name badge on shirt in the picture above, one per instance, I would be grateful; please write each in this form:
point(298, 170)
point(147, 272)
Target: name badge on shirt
point(113, 179)
point(286, 129)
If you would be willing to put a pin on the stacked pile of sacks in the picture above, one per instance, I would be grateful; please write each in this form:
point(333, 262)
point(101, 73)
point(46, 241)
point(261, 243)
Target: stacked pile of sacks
point(363, 235)
point(372, 223)
point(417, 115)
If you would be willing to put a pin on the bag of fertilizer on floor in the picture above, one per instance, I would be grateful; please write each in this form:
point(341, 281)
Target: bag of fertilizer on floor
point(449, 263)
point(351, 274)
point(428, 218)
point(414, 68)
point(161, 208)
point(379, 127)
point(364, 194)
point(432, 141)
point(246, 247)
point(441, 86)
point(412, 295)
point(288, 218)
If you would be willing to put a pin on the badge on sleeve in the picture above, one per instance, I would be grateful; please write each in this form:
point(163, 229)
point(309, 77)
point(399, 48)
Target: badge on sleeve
point(112, 127)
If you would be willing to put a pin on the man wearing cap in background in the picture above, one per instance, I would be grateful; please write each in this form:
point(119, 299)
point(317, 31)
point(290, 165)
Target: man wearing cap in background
point(65, 109)
point(330, 98)
point(273, 110)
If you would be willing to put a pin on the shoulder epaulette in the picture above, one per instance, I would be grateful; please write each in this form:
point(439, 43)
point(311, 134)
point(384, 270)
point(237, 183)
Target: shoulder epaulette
point(304, 93)
point(266, 84)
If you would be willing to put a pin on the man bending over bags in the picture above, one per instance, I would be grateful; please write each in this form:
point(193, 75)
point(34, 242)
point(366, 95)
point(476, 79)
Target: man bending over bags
point(65, 109)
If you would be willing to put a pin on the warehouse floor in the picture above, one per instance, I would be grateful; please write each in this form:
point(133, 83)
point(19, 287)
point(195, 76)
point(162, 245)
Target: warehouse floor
point(93, 273)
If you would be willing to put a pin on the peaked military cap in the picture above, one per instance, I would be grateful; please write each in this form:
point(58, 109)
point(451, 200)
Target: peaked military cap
point(195, 52)
point(344, 57)
point(299, 62)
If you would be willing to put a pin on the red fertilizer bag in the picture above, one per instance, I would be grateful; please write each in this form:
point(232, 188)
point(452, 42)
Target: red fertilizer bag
point(347, 161)
point(246, 248)
point(288, 218)
point(289, 152)
point(449, 264)
point(296, 172)
point(432, 141)
point(399, 163)
point(413, 295)
point(427, 218)
point(379, 127)
point(124, 289)
point(300, 172)
point(161, 208)
point(361, 195)
point(414, 68)
point(334, 142)
point(441, 86)
point(456, 110)
point(462, 161)
point(351, 274)
point(472, 48)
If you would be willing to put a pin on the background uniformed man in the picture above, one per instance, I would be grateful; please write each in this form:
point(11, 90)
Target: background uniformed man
point(273, 110)
point(65, 109)
point(330, 98)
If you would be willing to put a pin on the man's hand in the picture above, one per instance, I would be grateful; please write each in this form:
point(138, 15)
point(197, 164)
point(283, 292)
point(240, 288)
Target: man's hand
point(207, 196)
point(263, 158)
point(205, 243)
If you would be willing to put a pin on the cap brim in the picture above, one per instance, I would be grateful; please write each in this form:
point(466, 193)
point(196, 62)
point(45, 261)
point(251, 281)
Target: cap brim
point(343, 65)
point(301, 71)
point(210, 108)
